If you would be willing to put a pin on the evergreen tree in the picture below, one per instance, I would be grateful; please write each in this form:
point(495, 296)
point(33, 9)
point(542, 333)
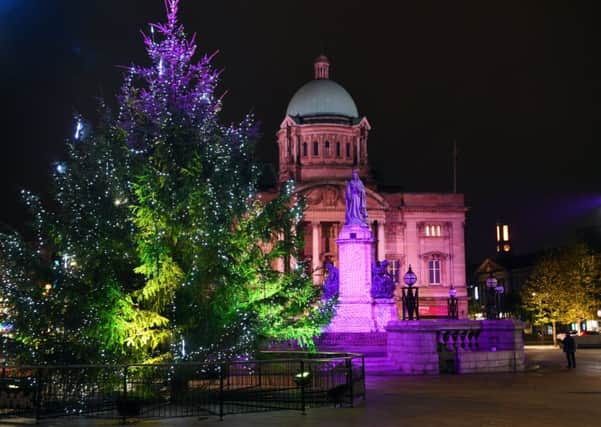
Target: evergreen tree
point(61, 289)
point(165, 249)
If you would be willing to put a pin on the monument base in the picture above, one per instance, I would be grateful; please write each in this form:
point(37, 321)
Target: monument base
point(352, 316)
point(361, 316)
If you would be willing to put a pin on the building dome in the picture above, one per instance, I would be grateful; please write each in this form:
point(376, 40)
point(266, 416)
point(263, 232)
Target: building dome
point(322, 96)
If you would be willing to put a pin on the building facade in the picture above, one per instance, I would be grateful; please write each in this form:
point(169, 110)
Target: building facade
point(321, 140)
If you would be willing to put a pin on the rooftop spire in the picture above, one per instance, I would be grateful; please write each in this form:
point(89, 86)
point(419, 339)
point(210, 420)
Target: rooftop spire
point(322, 67)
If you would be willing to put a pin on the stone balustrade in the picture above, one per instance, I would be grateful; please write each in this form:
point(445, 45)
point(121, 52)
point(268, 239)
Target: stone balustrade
point(461, 346)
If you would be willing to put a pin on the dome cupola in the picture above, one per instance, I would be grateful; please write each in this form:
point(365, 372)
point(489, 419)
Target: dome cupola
point(322, 97)
point(322, 137)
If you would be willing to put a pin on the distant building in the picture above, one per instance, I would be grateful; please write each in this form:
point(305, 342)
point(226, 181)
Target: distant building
point(503, 239)
point(321, 140)
point(510, 271)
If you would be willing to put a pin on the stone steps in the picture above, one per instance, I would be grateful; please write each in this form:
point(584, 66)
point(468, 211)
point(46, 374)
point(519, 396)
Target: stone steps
point(368, 352)
point(378, 366)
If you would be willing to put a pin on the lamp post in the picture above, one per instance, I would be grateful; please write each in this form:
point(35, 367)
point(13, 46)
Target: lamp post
point(452, 303)
point(494, 297)
point(499, 291)
point(410, 296)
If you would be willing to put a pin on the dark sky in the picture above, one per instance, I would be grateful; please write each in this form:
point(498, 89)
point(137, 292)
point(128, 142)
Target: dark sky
point(513, 83)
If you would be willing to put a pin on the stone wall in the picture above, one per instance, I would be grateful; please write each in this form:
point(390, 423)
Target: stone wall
point(470, 362)
point(429, 347)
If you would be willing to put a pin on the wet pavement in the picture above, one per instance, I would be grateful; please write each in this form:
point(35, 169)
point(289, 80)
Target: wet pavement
point(548, 394)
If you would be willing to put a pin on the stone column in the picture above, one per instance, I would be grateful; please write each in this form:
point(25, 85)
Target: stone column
point(381, 241)
point(315, 264)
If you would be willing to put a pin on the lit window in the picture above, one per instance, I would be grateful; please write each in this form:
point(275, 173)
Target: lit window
point(433, 230)
point(506, 233)
point(315, 148)
point(498, 234)
point(476, 293)
point(434, 271)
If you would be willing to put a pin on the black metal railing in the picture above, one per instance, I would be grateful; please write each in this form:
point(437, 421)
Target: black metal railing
point(275, 381)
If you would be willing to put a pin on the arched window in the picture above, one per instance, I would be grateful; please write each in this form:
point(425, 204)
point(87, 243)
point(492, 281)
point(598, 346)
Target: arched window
point(348, 149)
point(305, 150)
point(315, 148)
point(338, 149)
point(327, 148)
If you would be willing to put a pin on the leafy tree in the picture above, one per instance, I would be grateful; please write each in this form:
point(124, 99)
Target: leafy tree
point(563, 287)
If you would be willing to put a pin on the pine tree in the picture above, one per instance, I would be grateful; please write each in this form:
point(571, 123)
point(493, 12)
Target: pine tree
point(206, 243)
point(61, 289)
point(164, 248)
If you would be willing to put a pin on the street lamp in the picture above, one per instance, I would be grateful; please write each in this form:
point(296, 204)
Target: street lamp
point(452, 303)
point(410, 296)
point(499, 298)
point(491, 286)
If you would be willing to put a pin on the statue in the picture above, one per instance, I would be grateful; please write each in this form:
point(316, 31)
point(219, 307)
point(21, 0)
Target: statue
point(356, 206)
point(382, 284)
point(330, 287)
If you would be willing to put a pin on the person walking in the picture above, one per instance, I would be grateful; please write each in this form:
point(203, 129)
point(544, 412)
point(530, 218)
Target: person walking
point(569, 348)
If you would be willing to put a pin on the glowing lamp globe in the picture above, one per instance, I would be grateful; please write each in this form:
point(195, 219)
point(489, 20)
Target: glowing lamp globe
point(452, 292)
point(491, 282)
point(410, 278)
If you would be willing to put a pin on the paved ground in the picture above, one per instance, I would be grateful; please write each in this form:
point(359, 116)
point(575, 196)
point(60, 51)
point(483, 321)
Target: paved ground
point(547, 395)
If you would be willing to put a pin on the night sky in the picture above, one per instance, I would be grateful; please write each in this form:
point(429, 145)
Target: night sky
point(514, 83)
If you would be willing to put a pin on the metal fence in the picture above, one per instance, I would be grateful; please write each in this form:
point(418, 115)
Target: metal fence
point(275, 381)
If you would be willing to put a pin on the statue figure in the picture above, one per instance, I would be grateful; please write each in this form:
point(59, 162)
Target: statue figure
point(382, 284)
point(356, 207)
point(330, 287)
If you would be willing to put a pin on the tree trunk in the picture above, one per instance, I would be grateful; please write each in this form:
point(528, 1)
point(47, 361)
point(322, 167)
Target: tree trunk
point(554, 333)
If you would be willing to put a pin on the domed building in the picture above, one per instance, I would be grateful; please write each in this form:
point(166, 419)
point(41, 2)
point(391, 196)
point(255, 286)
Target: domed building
point(321, 140)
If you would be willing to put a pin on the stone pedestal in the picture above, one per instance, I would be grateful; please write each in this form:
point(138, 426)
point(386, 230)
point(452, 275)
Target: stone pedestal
point(383, 310)
point(355, 257)
point(411, 347)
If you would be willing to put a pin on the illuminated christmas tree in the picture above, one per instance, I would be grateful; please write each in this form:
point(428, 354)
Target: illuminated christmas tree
point(164, 249)
point(61, 289)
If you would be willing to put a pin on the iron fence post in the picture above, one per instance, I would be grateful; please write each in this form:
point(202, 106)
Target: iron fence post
point(302, 385)
point(349, 379)
point(363, 375)
point(260, 372)
point(37, 394)
point(221, 380)
point(124, 395)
